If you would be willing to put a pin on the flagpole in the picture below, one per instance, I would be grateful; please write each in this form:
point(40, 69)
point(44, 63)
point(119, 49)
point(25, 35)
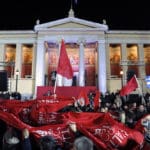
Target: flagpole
point(140, 91)
point(55, 85)
point(71, 4)
point(138, 84)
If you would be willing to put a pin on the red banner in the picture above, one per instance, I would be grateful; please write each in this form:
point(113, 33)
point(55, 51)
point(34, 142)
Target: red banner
point(106, 133)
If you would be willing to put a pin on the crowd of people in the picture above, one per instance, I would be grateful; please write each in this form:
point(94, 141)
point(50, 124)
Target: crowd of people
point(14, 139)
point(128, 110)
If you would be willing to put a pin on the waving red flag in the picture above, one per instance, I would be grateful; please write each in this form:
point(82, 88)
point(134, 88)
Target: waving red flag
point(129, 87)
point(106, 133)
point(64, 70)
point(82, 98)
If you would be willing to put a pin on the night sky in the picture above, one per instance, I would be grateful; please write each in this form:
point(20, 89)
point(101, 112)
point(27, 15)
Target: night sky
point(119, 14)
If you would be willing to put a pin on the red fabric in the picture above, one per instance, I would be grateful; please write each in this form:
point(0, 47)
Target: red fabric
point(60, 132)
point(64, 66)
point(129, 87)
point(83, 95)
point(146, 146)
point(72, 91)
point(12, 120)
point(44, 112)
point(105, 131)
point(96, 100)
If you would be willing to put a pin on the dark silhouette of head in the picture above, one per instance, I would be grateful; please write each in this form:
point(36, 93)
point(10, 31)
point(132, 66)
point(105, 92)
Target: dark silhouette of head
point(47, 143)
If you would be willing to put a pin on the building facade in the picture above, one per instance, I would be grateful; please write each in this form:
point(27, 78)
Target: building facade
point(99, 57)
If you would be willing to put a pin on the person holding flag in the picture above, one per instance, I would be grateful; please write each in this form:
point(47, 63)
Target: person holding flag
point(132, 85)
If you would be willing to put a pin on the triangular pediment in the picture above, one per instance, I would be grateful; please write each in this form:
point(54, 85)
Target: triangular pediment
point(71, 23)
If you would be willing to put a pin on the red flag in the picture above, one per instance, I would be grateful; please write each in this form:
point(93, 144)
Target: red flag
point(129, 87)
point(64, 66)
point(82, 98)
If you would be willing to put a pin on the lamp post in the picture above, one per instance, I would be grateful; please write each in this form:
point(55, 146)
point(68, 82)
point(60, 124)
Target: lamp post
point(121, 74)
point(17, 75)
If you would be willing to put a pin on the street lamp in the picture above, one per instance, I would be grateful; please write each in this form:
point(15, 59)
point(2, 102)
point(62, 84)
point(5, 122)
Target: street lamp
point(17, 75)
point(121, 74)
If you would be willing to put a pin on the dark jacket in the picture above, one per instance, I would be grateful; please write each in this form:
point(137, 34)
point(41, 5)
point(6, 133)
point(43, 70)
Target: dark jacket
point(26, 144)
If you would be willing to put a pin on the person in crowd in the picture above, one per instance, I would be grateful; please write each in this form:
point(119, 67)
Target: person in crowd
point(80, 105)
point(69, 108)
point(11, 139)
point(53, 77)
point(107, 98)
point(3, 127)
point(141, 111)
point(123, 117)
point(102, 109)
point(133, 107)
point(148, 107)
point(26, 143)
point(130, 119)
point(146, 124)
point(48, 93)
point(118, 101)
point(91, 97)
point(125, 108)
point(48, 143)
point(83, 143)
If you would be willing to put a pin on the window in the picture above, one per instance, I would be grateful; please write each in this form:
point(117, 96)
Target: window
point(115, 57)
point(27, 55)
point(52, 54)
point(90, 61)
point(10, 56)
point(132, 57)
point(147, 59)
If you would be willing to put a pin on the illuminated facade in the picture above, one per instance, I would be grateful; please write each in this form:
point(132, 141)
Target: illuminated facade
point(97, 54)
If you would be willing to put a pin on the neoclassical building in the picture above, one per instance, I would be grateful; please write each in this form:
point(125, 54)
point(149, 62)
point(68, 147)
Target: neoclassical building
point(98, 55)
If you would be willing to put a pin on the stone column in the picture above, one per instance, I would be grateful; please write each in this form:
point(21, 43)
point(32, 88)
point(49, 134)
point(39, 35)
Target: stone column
point(141, 61)
point(34, 60)
point(2, 54)
point(124, 62)
point(81, 65)
point(102, 86)
point(141, 68)
point(40, 63)
point(17, 71)
point(18, 60)
point(108, 60)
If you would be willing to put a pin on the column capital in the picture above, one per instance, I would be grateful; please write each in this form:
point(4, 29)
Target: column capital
point(123, 45)
point(101, 41)
point(81, 41)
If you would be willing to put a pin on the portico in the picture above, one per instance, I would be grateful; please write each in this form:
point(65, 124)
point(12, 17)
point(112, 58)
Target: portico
point(88, 39)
